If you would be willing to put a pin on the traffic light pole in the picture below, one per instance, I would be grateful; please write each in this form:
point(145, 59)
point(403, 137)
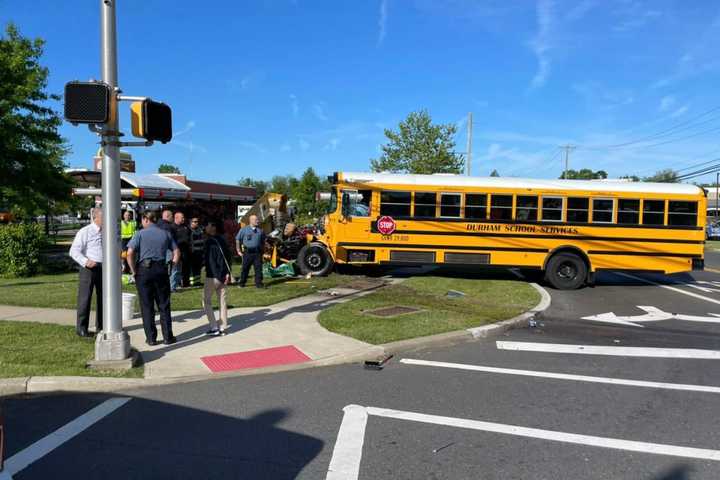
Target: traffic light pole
point(113, 343)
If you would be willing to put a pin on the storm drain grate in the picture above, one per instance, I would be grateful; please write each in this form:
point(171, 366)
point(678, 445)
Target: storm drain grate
point(392, 311)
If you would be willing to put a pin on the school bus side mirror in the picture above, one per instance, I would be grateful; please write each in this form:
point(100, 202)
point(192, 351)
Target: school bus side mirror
point(151, 120)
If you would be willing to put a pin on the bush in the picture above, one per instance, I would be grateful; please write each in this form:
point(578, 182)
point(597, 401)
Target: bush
point(20, 246)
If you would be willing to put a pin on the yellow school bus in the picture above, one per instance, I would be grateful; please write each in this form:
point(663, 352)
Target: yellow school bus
point(570, 229)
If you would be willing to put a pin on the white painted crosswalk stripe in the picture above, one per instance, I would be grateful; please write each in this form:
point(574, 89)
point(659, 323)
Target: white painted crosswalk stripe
point(651, 352)
point(42, 447)
point(563, 376)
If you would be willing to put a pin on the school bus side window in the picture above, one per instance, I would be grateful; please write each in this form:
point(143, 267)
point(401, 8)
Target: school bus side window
point(501, 207)
point(577, 209)
point(395, 204)
point(682, 213)
point(527, 209)
point(603, 210)
point(356, 203)
point(552, 209)
point(476, 205)
point(425, 204)
point(628, 211)
point(450, 204)
point(653, 212)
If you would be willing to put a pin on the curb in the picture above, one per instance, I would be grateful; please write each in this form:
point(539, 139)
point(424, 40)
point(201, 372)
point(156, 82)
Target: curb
point(35, 385)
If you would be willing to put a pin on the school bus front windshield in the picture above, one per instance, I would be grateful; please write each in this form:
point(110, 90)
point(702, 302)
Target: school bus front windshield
point(568, 228)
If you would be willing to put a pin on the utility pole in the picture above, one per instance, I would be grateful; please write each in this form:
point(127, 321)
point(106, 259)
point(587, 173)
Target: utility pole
point(112, 343)
point(469, 143)
point(568, 149)
point(717, 190)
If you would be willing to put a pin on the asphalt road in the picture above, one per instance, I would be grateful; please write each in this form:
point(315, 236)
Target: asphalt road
point(424, 420)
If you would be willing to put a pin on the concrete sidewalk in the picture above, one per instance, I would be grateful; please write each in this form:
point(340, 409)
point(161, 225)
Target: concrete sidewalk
point(289, 323)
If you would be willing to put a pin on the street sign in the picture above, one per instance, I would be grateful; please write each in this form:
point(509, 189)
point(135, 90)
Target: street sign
point(87, 102)
point(151, 121)
point(386, 225)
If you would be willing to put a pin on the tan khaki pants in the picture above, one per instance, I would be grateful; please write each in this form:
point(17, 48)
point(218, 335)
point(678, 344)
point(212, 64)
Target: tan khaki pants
point(213, 285)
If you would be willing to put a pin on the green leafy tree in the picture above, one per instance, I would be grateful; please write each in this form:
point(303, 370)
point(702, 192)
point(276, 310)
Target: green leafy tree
point(284, 184)
point(663, 176)
point(632, 178)
point(31, 149)
point(494, 173)
point(260, 186)
point(585, 174)
point(419, 146)
point(167, 168)
point(304, 192)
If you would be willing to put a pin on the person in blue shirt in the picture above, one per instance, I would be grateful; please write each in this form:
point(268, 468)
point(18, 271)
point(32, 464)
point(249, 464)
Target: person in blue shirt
point(146, 258)
point(250, 244)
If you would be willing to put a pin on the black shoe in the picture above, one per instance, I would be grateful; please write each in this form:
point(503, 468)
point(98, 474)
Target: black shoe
point(260, 286)
point(82, 332)
point(151, 343)
point(170, 341)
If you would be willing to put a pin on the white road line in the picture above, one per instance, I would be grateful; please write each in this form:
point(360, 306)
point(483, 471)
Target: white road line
point(563, 376)
point(618, 351)
point(345, 462)
point(668, 287)
point(42, 447)
point(603, 442)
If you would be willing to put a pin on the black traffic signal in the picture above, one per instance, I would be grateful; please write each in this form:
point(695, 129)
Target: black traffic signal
point(87, 102)
point(151, 121)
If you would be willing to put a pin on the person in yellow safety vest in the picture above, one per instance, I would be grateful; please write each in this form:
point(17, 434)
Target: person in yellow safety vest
point(128, 227)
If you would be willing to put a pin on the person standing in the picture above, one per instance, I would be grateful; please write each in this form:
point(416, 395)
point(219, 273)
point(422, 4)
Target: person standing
point(146, 258)
point(197, 251)
point(249, 243)
point(127, 230)
point(86, 250)
point(166, 223)
point(180, 274)
point(217, 277)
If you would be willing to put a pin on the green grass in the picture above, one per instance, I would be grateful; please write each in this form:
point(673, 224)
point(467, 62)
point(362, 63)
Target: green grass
point(486, 301)
point(60, 291)
point(713, 245)
point(30, 349)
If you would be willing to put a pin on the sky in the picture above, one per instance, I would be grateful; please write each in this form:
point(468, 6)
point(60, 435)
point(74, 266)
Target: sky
point(271, 87)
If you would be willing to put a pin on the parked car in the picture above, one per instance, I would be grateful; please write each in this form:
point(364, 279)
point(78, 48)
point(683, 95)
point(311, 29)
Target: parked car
point(712, 231)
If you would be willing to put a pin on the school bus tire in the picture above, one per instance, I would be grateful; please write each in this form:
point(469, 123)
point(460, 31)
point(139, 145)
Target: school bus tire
point(315, 259)
point(566, 271)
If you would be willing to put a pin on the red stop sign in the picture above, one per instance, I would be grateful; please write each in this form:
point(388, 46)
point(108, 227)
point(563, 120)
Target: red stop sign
point(386, 225)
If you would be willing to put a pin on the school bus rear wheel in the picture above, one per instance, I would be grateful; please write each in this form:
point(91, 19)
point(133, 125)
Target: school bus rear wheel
point(314, 259)
point(566, 271)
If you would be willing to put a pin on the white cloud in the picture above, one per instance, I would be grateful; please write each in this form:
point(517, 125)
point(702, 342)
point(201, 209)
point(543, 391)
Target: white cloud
point(382, 22)
point(332, 144)
point(542, 43)
point(188, 126)
point(304, 144)
point(252, 146)
point(680, 111)
point(294, 105)
point(319, 111)
point(285, 147)
point(666, 103)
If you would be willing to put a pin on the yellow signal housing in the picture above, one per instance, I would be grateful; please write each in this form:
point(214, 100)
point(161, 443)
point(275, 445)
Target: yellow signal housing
point(136, 119)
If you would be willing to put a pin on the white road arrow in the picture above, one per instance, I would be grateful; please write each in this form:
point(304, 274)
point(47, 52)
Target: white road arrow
point(652, 314)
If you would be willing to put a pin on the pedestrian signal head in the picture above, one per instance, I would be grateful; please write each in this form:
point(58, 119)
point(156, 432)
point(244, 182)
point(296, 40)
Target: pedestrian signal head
point(151, 121)
point(87, 102)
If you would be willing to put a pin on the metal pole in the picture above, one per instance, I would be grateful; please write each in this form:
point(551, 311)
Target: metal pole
point(567, 160)
point(469, 144)
point(717, 178)
point(113, 343)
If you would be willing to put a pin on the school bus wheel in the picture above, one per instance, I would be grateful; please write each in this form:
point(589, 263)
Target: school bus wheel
point(314, 258)
point(566, 271)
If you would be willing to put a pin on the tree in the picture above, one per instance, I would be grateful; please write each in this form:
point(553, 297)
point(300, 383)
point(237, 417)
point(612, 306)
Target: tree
point(303, 193)
point(494, 173)
point(585, 174)
point(632, 178)
point(31, 149)
point(260, 186)
point(419, 147)
point(167, 168)
point(663, 176)
point(284, 184)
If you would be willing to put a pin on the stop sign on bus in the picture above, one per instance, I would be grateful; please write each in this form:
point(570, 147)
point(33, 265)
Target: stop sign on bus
point(386, 225)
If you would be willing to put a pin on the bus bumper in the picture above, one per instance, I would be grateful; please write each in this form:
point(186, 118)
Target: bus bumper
point(698, 264)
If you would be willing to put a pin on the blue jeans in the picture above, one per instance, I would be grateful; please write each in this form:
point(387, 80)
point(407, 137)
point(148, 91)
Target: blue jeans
point(175, 272)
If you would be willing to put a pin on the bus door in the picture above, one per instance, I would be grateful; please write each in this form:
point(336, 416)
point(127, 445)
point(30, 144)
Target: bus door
point(355, 223)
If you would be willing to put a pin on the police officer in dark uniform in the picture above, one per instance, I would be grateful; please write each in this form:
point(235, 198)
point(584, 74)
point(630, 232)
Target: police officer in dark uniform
point(146, 258)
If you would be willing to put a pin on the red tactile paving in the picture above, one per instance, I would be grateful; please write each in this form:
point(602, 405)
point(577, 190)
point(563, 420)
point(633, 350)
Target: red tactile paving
point(265, 357)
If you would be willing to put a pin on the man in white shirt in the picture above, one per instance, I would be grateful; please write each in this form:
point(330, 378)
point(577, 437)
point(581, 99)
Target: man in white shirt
point(86, 250)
